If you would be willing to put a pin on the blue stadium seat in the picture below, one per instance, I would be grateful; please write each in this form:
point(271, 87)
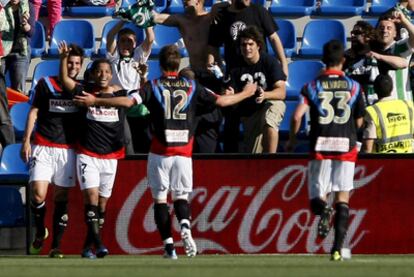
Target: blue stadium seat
point(45, 68)
point(372, 21)
point(80, 32)
point(12, 167)
point(88, 11)
point(292, 7)
point(317, 33)
point(378, 7)
point(12, 212)
point(301, 72)
point(166, 35)
point(154, 70)
point(38, 41)
point(161, 5)
point(342, 7)
point(18, 115)
point(108, 26)
point(287, 34)
point(284, 127)
point(176, 6)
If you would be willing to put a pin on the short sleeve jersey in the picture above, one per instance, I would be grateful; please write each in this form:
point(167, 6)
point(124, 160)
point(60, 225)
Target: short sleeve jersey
point(173, 103)
point(102, 128)
point(265, 72)
point(335, 102)
point(57, 116)
point(227, 29)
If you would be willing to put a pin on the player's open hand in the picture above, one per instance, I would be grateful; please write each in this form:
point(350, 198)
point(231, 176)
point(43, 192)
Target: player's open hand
point(84, 100)
point(63, 49)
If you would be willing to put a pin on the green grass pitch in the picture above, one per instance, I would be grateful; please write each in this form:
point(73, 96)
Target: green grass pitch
point(208, 265)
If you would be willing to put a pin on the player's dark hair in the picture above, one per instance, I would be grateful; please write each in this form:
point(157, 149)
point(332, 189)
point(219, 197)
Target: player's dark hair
point(333, 53)
point(76, 51)
point(253, 33)
point(383, 85)
point(97, 62)
point(127, 31)
point(170, 58)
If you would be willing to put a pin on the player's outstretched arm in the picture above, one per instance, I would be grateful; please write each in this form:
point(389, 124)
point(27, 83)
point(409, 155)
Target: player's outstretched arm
point(295, 122)
point(87, 99)
point(233, 98)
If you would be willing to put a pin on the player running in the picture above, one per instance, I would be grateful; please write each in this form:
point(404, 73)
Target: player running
point(336, 110)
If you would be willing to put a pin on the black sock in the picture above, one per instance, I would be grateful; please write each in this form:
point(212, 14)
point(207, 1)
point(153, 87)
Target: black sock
point(60, 221)
point(91, 218)
point(340, 225)
point(163, 220)
point(101, 217)
point(39, 211)
point(182, 211)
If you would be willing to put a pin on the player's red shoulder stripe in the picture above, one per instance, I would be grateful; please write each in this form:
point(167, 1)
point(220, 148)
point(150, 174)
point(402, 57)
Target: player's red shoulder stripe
point(119, 154)
point(55, 84)
point(333, 72)
point(40, 140)
point(160, 149)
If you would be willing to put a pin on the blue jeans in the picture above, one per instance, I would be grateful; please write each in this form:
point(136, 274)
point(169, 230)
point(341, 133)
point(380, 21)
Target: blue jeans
point(16, 65)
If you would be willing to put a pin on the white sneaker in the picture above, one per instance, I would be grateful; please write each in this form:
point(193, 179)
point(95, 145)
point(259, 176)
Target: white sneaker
point(170, 255)
point(189, 244)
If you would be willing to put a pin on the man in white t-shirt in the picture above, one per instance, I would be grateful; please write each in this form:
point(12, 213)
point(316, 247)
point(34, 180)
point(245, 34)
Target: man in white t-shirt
point(129, 70)
point(402, 48)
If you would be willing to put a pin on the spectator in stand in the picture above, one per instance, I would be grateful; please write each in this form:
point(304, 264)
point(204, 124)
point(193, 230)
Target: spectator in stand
point(17, 25)
point(389, 124)
point(230, 22)
point(54, 13)
point(129, 69)
point(363, 61)
point(392, 45)
point(6, 127)
point(261, 115)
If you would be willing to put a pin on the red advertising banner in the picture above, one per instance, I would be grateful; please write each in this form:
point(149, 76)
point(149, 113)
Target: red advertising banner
point(255, 205)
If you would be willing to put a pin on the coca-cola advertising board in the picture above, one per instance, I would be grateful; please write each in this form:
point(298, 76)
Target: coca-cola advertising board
point(248, 204)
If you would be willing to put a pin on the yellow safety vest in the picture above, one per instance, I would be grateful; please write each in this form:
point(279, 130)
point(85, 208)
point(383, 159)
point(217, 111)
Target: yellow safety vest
point(395, 126)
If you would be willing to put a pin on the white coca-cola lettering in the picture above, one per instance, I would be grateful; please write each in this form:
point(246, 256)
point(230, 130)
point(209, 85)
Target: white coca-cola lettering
point(203, 221)
point(285, 229)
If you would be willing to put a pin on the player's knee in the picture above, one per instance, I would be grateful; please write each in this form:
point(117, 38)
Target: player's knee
point(317, 205)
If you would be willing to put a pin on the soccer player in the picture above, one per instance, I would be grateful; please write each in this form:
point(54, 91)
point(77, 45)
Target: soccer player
point(173, 102)
point(100, 145)
point(336, 110)
point(52, 156)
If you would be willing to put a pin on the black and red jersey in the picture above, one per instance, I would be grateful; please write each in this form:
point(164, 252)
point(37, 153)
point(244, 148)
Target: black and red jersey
point(57, 117)
point(173, 103)
point(335, 102)
point(102, 128)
